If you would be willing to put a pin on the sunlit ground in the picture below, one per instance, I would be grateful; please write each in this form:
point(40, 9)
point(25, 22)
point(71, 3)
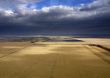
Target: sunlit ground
point(55, 59)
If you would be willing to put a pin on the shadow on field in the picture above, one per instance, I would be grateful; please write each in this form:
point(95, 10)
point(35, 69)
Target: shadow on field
point(100, 46)
point(106, 52)
point(100, 54)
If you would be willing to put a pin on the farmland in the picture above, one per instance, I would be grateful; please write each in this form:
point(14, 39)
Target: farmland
point(80, 58)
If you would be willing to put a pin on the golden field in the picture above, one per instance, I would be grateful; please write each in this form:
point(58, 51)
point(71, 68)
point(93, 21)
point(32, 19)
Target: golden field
point(56, 59)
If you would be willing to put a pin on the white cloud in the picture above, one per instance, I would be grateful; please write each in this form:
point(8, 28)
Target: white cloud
point(9, 13)
point(97, 4)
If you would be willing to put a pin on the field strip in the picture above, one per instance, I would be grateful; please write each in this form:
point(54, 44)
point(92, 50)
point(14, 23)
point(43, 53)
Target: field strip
point(13, 52)
point(61, 43)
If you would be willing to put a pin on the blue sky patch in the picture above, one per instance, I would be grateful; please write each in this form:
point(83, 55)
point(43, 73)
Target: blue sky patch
point(47, 3)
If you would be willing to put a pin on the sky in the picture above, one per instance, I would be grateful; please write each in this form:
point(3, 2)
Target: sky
point(54, 17)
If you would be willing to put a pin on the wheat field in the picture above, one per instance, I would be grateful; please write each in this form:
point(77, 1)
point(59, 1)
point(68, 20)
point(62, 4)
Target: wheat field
point(55, 59)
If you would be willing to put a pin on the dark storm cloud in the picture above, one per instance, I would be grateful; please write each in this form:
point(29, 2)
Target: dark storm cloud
point(91, 18)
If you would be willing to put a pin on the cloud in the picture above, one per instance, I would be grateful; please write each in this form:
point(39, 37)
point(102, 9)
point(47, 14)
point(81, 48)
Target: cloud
point(87, 18)
point(97, 5)
point(54, 12)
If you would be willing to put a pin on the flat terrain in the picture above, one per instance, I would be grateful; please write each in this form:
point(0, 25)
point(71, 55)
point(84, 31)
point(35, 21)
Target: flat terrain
point(55, 59)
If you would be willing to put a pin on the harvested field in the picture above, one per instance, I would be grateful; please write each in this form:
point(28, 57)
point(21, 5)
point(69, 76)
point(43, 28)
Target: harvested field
point(54, 60)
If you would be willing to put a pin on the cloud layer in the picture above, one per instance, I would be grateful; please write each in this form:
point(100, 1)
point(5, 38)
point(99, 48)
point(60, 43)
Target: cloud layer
point(86, 18)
